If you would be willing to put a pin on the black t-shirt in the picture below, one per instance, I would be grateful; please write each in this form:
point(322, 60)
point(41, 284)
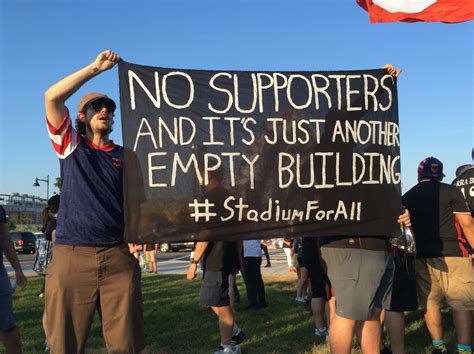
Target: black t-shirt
point(465, 183)
point(219, 256)
point(432, 206)
point(50, 227)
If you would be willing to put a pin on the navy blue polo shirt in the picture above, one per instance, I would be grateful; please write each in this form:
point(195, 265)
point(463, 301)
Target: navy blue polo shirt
point(91, 208)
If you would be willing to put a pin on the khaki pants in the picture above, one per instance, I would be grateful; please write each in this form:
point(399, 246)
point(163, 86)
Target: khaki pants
point(80, 280)
point(449, 279)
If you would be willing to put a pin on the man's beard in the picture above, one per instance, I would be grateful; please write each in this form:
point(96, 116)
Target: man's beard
point(102, 132)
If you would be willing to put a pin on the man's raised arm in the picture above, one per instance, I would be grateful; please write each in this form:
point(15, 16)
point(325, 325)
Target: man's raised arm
point(56, 96)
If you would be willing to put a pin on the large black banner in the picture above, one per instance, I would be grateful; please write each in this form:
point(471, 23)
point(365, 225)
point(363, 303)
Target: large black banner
point(259, 154)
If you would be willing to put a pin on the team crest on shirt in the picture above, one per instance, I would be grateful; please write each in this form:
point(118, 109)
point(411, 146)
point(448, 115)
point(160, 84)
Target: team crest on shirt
point(116, 162)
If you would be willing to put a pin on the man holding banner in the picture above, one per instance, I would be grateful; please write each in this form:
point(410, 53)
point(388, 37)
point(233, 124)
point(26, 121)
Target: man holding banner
point(220, 259)
point(360, 270)
point(92, 267)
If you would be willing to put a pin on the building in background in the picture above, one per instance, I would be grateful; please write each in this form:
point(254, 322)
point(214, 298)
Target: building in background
point(23, 209)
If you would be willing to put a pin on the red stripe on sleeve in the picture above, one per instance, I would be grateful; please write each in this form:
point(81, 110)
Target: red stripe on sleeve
point(62, 127)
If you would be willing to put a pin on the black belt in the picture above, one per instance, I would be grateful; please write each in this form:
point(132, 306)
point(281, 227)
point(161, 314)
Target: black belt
point(366, 243)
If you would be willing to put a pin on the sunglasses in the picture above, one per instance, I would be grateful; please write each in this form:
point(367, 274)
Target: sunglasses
point(98, 105)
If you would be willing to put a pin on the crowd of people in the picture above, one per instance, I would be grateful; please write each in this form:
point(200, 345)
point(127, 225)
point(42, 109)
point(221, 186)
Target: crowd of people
point(358, 277)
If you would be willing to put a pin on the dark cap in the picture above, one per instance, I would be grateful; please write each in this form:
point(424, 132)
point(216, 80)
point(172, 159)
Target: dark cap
point(461, 169)
point(53, 203)
point(91, 97)
point(431, 167)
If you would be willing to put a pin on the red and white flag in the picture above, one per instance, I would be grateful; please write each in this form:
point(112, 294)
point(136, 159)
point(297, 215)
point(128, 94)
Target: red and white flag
point(449, 11)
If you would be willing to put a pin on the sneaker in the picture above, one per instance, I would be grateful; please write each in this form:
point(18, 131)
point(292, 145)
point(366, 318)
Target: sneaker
point(439, 350)
point(233, 349)
point(41, 295)
point(238, 338)
point(385, 350)
point(322, 333)
point(46, 346)
point(300, 299)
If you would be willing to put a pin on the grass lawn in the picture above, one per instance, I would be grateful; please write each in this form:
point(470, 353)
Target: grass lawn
point(174, 322)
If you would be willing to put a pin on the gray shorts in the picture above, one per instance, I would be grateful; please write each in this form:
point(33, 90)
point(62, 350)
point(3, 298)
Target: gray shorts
point(361, 280)
point(7, 321)
point(215, 289)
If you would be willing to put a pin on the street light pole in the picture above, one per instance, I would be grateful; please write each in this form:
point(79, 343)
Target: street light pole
point(46, 179)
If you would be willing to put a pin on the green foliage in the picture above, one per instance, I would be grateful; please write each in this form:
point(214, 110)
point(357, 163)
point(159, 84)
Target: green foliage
point(10, 225)
point(32, 228)
point(57, 183)
point(175, 323)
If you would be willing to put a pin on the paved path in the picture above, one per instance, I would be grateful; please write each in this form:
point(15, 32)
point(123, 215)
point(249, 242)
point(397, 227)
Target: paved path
point(174, 263)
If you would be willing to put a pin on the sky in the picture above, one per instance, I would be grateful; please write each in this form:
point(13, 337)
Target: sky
point(43, 41)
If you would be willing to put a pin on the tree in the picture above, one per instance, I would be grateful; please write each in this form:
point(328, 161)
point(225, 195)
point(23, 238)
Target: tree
point(57, 184)
point(10, 225)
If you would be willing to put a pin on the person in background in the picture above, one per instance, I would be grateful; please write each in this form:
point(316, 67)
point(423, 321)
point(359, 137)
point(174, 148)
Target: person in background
point(253, 275)
point(444, 270)
point(150, 250)
point(49, 226)
point(264, 247)
point(220, 259)
point(367, 262)
point(301, 271)
point(320, 287)
point(404, 299)
point(9, 334)
point(287, 247)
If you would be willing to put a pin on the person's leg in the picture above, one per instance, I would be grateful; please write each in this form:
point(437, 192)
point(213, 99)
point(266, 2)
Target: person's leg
point(41, 294)
point(344, 328)
point(121, 301)
point(11, 340)
point(262, 301)
point(251, 280)
point(302, 282)
point(318, 281)
point(331, 309)
point(433, 321)
point(267, 255)
point(317, 306)
point(226, 323)
point(463, 325)
point(149, 261)
point(287, 252)
point(395, 324)
point(236, 289)
point(369, 333)
point(305, 282)
point(231, 280)
point(9, 334)
point(457, 284)
point(430, 295)
point(70, 298)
